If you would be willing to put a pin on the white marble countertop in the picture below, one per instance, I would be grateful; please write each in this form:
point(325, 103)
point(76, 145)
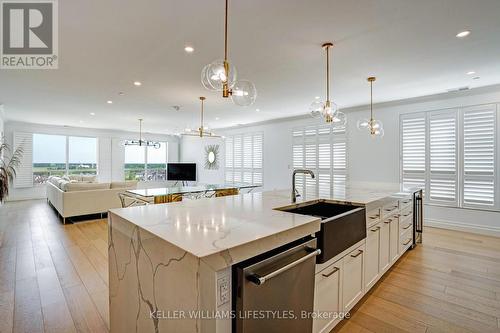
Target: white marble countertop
point(208, 226)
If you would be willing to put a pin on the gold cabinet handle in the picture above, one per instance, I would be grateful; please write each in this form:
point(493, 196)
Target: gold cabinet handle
point(335, 269)
point(388, 221)
point(409, 225)
point(397, 216)
point(376, 229)
point(407, 242)
point(357, 254)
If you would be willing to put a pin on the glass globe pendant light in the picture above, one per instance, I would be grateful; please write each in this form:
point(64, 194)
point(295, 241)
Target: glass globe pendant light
point(375, 127)
point(328, 109)
point(220, 75)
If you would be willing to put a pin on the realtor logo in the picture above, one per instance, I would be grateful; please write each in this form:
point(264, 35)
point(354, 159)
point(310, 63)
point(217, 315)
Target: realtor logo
point(29, 34)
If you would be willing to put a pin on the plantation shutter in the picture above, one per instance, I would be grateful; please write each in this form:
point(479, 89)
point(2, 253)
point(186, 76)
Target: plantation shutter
point(339, 163)
point(238, 156)
point(24, 174)
point(479, 156)
point(413, 148)
point(258, 162)
point(323, 150)
point(244, 158)
point(229, 160)
point(443, 160)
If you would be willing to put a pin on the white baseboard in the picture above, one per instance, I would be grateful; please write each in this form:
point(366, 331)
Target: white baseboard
point(474, 228)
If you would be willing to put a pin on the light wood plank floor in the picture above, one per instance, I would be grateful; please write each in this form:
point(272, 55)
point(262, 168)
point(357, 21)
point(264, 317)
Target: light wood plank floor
point(53, 278)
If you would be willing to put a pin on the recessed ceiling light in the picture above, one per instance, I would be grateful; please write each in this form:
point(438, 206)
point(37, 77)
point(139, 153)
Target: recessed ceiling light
point(317, 97)
point(471, 73)
point(137, 83)
point(476, 77)
point(217, 118)
point(189, 49)
point(463, 34)
point(92, 113)
point(81, 121)
point(258, 110)
point(109, 102)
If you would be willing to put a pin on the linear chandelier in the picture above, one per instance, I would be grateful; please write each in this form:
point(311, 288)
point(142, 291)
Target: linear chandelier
point(141, 142)
point(202, 131)
point(220, 75)
point(328, 109)
point(375, 127)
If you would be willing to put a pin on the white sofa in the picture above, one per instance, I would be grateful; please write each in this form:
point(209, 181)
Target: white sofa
point(72, 198)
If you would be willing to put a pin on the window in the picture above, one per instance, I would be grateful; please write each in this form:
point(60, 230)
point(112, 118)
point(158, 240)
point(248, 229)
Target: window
point(244, 158)
point(451, 154)
point(82, 158)
point(323, 149)
point(146, 163)
point(58, 155)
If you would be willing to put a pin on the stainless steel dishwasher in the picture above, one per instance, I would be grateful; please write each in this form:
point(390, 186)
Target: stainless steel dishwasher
point(272, 291)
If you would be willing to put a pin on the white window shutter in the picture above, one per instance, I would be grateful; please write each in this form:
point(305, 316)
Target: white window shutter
point(244, 158)
point(413, 150)
point(322, 149)
point(24, 175)
point(443, 157)
point(479, 157)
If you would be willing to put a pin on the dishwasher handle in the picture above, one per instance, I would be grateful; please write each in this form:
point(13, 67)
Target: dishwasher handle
point(260, 280)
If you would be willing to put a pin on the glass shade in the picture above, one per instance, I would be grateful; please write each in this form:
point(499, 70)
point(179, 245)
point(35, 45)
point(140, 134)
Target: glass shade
point(339, 120)
point(316, 106)
point(378, 133)
point(213, 76)
point(363, 124)
point(330, 110)
point(244, 93)
point(376, 124)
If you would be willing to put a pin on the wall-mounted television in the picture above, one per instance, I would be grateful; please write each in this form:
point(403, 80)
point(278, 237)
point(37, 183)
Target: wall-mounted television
point(181, 171)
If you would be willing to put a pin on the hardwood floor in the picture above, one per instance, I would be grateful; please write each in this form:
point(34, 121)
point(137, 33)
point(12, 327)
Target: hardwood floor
point(53, 278)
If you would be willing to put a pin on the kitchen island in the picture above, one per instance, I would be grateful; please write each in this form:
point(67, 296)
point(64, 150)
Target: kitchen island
point(170, 264)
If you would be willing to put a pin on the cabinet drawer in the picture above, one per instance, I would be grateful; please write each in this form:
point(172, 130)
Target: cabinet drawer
point(405, 225)
point(327, 295)
point(353, 278)
point(406, 213)
point(390, 208)
point(405, 240)
point(372, 217)
point(404, 203)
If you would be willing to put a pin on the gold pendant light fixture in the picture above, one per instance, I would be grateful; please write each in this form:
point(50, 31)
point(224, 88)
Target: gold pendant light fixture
point(141, 142)
point(220, 75)
point(202, 131)
point(375, 127)
point(328, 109)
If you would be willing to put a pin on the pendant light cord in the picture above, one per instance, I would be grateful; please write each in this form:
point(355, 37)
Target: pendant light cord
point(371, 100)
point(225, 31)
point(328, 73)
point(140, 131)
point(201, 127)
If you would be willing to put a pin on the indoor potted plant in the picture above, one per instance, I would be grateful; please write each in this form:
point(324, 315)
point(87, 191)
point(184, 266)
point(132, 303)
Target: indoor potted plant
point(9, 162)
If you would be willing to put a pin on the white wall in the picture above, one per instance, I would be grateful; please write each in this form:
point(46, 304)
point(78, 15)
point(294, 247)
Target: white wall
point(111, 152)
point(376, 162)
point(192, 150)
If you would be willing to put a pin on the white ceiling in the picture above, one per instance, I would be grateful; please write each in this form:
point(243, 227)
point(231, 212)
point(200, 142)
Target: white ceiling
point(106, 45)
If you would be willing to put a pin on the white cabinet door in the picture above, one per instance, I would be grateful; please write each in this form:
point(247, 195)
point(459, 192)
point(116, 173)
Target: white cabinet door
point(372, 256)
point(353, 278)
point(327, 296)
point(394, 236)
point(385, 235)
